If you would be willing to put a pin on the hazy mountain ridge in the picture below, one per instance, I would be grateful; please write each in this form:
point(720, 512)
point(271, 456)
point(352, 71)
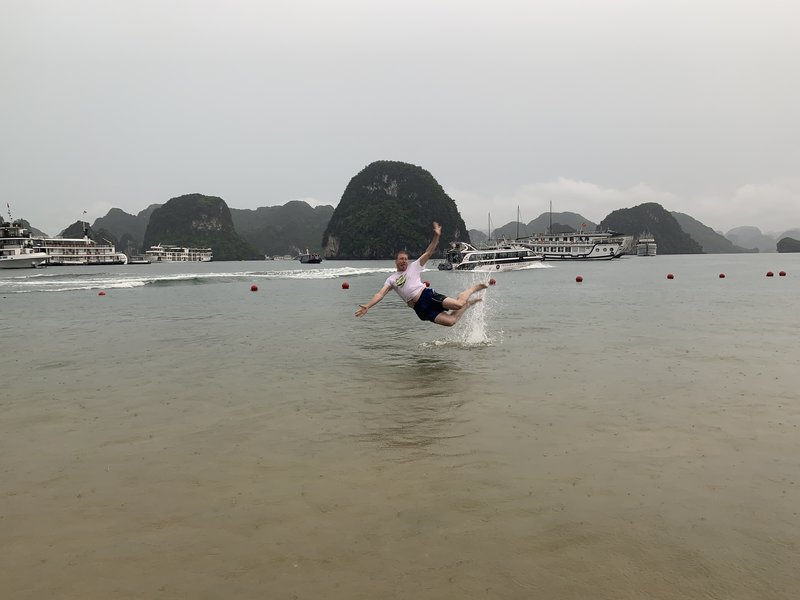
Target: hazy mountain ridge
point(765, 242)
point(711, 241)
point(127, 228)
point(561, 222)
point(288, 229)
point(653, 218)
point(389, 205)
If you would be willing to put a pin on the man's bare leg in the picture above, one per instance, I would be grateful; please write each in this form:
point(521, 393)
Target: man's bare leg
point(451, 318)
point(460, 301)
point(464, 296)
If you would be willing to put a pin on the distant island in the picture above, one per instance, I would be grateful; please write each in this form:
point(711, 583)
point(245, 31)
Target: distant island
point(386, 207)
point(195, 220)
point(788, 244)
point(390, 206)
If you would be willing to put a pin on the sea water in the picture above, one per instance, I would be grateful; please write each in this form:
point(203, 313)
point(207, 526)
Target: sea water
point(630, 436)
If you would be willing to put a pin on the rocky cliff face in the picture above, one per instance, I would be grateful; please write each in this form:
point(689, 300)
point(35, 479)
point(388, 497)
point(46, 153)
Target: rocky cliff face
point(198, 221)
point(387, 207)
point(788, 244)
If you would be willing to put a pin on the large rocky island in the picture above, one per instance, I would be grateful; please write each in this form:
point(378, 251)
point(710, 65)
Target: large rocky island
point(198, 221)
point(387, 207)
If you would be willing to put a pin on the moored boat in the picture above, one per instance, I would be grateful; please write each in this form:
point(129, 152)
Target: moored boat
point(166, 253)
point(20, 249)
point(311, 258)
point(577, 245)
point(646, 245)
point(138, 259)
point(462, 256)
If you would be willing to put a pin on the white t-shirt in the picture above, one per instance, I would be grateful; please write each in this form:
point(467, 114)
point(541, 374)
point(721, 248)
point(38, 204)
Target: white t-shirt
point(407, 283)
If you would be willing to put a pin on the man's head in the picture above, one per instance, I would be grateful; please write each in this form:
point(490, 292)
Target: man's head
point(401, 260)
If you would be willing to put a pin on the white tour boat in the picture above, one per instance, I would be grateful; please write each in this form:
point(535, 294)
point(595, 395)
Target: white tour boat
point(164, 253)
point(577, 245)
point(309, 258)
point(646, 245)
point(16, 247)
point(20, 249)
point(462, 256)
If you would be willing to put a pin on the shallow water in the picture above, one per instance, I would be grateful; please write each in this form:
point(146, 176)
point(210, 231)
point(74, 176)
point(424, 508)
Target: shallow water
point(626, 437)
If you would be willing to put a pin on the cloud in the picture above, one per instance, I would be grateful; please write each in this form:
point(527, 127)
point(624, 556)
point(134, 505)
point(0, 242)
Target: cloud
point(567, 195)
point(772, 207)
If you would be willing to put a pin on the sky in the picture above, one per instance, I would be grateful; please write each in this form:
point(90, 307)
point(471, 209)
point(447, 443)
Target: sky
point(591, 105)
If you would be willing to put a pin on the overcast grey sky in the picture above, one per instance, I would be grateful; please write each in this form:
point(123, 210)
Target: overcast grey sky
point(593, 105)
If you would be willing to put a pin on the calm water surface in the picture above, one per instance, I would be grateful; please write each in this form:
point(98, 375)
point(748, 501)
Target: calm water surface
point(184, 437)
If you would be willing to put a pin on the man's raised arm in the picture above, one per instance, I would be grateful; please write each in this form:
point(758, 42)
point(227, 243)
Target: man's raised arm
point(437, 231)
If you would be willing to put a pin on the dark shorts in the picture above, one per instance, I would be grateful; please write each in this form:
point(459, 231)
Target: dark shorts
point(429, 305)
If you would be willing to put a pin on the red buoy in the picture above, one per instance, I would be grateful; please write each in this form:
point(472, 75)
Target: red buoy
point(492, 281)
point(782, 273)
point(770, 274)
point(345, 285)
point(254, 288)
point(579, 278)
point(101, 294)
point(722, 275)
point(670, 276)
point(427, 283)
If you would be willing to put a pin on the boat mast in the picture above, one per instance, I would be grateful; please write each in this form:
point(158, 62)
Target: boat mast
point(517, 221)
point(550, 231)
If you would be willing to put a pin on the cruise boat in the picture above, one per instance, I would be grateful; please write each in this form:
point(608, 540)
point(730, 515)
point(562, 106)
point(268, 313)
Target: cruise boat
point(462, 256)
point(165, 253)
point(16, 247)
point(17, 241)
point(139, 259)
point(646, 245)
point(310, 257)
point(577, 245)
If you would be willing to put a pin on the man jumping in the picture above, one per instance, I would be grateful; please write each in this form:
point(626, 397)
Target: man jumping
point(428, 305)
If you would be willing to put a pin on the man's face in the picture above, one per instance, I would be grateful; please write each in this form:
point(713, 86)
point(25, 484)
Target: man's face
point(401, 262)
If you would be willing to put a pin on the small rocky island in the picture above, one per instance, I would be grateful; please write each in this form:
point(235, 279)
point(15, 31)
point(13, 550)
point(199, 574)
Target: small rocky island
point(387, 207)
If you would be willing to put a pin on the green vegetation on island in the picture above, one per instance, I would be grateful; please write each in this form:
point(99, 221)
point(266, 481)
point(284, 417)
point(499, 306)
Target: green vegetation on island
point(288, 229)
point(387, 207)
point(711, 241)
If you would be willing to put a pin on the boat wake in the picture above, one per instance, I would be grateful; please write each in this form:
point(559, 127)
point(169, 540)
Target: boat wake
point(59, 281)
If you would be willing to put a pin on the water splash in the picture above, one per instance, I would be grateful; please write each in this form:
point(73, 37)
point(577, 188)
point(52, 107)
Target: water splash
point(473, 330)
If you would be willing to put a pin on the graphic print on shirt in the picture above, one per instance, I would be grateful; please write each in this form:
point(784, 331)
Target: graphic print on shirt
point(400, 281)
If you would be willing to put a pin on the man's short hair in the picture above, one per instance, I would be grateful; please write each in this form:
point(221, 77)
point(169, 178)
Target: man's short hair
point(396, 256)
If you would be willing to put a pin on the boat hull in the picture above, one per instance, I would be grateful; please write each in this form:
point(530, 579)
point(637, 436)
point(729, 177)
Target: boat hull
point(494, 268)
point(23, 261)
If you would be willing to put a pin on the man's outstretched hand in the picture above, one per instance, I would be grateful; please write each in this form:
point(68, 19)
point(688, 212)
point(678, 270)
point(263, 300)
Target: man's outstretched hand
point(437, 229)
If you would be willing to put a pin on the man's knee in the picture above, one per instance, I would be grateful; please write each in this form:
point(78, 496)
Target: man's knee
point(458, 303)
